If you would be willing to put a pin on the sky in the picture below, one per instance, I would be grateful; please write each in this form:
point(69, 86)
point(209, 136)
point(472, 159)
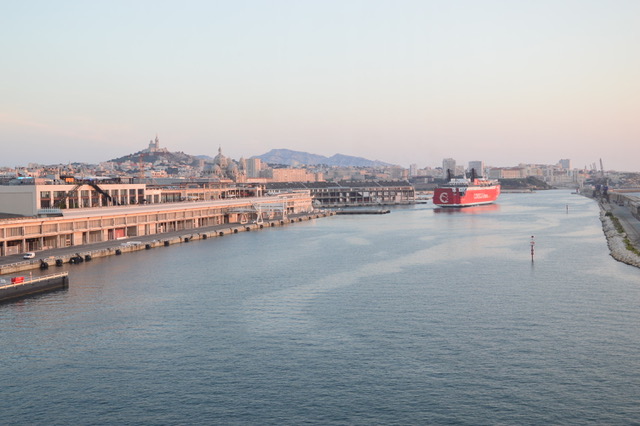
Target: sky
point(401, 81)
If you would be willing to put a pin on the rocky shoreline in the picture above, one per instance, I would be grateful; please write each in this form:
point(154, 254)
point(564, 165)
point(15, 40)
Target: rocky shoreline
point(616, 243)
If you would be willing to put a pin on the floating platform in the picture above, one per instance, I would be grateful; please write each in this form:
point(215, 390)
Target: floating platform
point(20, 287)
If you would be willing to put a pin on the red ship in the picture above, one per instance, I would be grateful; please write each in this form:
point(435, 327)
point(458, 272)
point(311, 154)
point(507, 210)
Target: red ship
point(466, 192)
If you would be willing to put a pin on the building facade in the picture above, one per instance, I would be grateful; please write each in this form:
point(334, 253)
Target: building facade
point(448, 164)
point(478, 166)
point(85, 226)
point(352, 193)
point(39, 197)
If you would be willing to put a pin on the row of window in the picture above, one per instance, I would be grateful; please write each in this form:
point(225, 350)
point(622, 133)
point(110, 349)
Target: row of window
point(49, 228)
point(94, 193)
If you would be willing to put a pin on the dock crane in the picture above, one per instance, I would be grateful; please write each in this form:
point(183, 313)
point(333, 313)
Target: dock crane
point(602, 186)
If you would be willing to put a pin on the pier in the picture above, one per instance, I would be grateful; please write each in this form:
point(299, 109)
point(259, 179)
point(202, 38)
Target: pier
point(19, 287)
point(53, 258)
point(86, 226)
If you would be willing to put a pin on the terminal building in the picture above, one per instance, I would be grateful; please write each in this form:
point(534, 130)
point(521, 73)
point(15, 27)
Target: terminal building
point(48, 197)
point(39, 215)
point(352, 193)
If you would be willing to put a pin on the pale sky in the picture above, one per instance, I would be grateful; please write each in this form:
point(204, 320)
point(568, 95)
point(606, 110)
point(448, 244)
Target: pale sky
point(400, 81)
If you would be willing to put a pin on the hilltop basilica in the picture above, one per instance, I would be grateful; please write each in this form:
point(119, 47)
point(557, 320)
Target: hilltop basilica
point(220, 167)
point(154, 146)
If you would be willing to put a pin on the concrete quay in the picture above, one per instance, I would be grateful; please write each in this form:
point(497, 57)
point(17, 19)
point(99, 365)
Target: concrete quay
point(87, 252)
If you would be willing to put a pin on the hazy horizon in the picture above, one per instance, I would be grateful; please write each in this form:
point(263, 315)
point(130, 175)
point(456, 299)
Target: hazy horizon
point(401, 82)
point(435, 165)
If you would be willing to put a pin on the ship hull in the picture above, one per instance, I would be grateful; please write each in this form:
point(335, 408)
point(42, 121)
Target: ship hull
point(465, 197)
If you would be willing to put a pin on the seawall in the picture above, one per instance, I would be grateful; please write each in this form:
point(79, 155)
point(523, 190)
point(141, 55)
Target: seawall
point(615, 241)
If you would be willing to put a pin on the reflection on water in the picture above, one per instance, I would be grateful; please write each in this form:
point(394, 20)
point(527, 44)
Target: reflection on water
point(469, 210)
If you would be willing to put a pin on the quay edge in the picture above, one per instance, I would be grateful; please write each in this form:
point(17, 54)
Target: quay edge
point(152, 241)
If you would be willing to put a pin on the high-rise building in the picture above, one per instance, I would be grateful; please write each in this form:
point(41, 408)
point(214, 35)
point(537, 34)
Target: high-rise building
point(254, 165)
point(397, 173)
point(565, 163)
point(478, 166)
point(448, 164)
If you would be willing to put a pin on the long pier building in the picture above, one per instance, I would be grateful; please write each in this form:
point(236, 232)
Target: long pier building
point(352, 193)
point(73, 217)
point(48, 197)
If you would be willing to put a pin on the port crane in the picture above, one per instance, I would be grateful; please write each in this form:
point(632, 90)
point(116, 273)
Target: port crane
point(601, 184)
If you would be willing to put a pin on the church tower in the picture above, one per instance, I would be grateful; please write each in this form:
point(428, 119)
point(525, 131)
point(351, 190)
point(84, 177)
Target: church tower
point(154, 145)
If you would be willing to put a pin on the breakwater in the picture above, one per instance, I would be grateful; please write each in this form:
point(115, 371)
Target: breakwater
point(619, 217)
point(616, 241)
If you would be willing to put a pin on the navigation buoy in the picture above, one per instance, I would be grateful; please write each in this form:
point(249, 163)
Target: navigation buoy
point(533, 243)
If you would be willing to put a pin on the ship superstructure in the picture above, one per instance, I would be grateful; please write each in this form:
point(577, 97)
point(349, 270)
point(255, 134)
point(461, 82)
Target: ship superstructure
point(463, 192)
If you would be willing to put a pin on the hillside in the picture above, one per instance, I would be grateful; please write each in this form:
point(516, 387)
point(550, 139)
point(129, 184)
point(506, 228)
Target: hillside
point(152, 157)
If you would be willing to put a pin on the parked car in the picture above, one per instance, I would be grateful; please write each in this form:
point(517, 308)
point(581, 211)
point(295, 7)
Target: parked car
point(29, 255)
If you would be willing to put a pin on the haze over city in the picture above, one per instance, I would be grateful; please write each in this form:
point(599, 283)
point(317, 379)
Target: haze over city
point(398, 81)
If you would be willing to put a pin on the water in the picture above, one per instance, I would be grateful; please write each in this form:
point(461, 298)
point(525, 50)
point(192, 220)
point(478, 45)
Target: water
point(417, 317)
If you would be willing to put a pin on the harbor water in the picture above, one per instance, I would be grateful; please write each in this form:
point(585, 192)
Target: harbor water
point(421, 316)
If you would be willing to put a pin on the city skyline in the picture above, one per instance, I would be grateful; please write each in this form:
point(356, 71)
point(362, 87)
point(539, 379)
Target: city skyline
point(154, 146)
point(401, 82)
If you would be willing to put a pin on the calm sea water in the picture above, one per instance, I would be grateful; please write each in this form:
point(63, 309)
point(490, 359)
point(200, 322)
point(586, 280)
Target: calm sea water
point(421, 316)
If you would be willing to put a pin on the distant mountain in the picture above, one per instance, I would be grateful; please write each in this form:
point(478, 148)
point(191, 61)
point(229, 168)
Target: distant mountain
point(350, 161)
point(288, 157)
